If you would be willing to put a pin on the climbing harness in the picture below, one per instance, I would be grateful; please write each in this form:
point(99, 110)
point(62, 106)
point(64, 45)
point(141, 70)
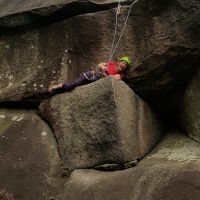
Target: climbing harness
point(114, 46)
point(94, 75)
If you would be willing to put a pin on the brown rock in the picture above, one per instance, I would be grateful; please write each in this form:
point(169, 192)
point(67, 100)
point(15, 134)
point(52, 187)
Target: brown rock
point(190, 109)
point(29, 159)
point(103, 122)
point(172, 171)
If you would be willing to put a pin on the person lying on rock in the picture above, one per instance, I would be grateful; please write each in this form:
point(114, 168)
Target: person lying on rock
point(114, 69)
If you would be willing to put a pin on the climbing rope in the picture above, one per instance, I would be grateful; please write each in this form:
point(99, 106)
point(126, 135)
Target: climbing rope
point(115, 32)
point(114, 47)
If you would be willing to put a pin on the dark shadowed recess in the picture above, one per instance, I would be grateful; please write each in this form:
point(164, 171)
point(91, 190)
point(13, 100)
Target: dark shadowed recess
point(156, 7)
point(31, 102)
point(164, 86)
point(20, 104)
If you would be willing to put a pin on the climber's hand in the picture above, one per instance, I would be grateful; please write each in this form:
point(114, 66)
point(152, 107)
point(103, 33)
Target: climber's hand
point(116, 76)
point(102, 66)
point(51, 89)
point(55, 87)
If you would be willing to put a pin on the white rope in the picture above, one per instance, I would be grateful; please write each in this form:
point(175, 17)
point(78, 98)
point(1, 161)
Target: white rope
point(115, 32)
point(113, 49)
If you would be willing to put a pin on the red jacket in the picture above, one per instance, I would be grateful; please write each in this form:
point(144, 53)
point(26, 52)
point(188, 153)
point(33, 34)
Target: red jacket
point(111, 70)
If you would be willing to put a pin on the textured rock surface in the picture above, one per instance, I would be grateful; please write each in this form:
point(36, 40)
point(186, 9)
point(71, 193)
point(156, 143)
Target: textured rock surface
point(103, 122)
point(42, 43)
point(190, 109)
point(172, 171)
point(29, 159)
point(23, 13)
point(29, 62)
point(166, 47)
point(163, 41)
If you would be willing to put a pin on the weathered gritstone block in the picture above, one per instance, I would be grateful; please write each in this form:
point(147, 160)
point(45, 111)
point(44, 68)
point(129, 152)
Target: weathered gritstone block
point(171, 171)
point(29, 159)
point(190, 109)
point(161, 37)
point(103, 122)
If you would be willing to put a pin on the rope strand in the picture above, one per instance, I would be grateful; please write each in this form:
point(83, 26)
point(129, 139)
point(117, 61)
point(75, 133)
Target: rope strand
point(113, 49)
point(115, 32)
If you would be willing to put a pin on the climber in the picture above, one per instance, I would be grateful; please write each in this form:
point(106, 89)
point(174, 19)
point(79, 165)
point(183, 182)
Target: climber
point(114, 69)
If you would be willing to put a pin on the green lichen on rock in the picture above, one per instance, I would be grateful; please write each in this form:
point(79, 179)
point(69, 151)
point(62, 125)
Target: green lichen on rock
point(4, 124)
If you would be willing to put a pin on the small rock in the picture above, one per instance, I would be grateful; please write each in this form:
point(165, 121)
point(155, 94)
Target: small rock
point(10, 84)
point(14, 118)
point(108, 167)
point(44, 133)
point(130, 164)
point(10, 77)
point(19, 119)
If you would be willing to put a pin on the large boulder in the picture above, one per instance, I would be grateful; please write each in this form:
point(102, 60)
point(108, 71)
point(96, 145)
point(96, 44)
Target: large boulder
point(190, 109)
point(29, 158)
point(172, 171)
point(103, 122)
point(162, 39)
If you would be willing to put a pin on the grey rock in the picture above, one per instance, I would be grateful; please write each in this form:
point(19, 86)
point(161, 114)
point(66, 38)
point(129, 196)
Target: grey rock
point(163, 42)
point(108, 167)
point(103, 122)
point(190, 109)
point(171, 171)
point(114, 166)
point(29, 158)
point(130, 164)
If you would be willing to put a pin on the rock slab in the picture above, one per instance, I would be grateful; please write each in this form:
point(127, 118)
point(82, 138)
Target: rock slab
point(29, 159)
point(172, 171)
point(103, 122)
point(190, 109)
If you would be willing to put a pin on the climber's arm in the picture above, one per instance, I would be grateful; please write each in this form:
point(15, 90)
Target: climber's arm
point(55, 87)
point(102, 66)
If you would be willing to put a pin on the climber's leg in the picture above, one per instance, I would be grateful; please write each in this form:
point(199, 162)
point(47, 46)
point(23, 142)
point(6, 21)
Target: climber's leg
point(81, 80)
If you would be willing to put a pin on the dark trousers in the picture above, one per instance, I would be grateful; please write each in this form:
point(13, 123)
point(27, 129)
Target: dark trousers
point(81, 80)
